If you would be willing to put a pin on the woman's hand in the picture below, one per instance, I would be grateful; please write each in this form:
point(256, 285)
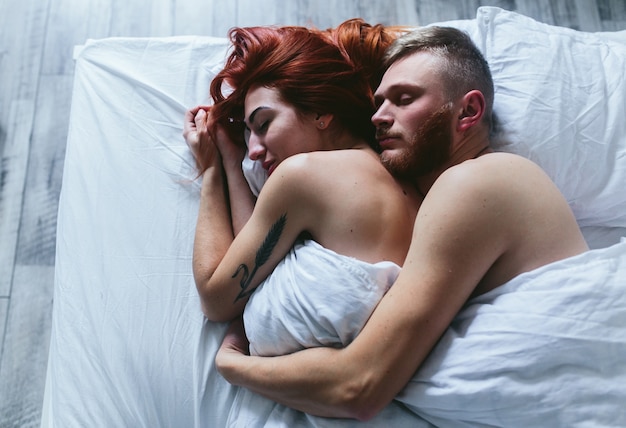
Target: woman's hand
point(198, 138)
point(207, 148)
point(232, 152)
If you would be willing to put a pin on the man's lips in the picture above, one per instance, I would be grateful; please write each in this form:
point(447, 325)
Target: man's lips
point(386, 141)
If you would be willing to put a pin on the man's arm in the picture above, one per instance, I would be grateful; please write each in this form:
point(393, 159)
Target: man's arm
point(454, 244)
point(356, 381)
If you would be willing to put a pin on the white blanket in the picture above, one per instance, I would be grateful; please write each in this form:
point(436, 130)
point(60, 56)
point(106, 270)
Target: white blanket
point(314, 297)
point(309, 300)
point(546, 349)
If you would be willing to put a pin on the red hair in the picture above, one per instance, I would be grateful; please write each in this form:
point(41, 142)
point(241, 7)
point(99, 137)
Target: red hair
point(334, 71)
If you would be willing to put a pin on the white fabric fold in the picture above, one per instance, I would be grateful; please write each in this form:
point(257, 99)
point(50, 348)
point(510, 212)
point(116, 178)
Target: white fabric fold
point(314, 297)
point(546, 349)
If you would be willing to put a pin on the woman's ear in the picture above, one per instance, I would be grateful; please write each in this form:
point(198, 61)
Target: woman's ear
point(322, 121)
point(472, 110)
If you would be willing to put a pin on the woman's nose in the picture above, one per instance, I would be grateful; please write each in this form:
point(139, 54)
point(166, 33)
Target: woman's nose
point(255, 148)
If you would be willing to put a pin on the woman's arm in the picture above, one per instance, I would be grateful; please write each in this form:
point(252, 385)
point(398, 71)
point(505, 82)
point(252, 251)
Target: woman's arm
point(223, 295)
point(228, 269)
point(240, 198)
point(214, 232)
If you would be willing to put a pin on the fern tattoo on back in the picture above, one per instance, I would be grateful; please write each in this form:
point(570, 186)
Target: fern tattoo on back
point(262, 255)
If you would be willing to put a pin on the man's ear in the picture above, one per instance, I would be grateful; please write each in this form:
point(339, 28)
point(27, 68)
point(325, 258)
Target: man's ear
point(472, 110)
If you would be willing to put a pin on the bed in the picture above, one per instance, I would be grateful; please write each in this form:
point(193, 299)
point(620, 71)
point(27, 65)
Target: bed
point(130, 347)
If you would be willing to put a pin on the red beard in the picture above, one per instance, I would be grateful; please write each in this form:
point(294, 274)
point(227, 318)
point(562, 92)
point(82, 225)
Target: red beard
point(428, 150)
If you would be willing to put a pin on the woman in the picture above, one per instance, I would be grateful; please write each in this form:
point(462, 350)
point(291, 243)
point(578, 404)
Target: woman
point(305, 99)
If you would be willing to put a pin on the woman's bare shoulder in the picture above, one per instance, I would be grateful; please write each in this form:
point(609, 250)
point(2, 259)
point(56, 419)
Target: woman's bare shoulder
point(331, 181)
point(320, 167)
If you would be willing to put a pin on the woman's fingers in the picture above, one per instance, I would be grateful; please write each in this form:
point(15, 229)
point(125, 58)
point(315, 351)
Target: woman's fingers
point(200, 120)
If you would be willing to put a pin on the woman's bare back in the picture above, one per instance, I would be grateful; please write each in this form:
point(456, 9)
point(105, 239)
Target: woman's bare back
point(363, 211)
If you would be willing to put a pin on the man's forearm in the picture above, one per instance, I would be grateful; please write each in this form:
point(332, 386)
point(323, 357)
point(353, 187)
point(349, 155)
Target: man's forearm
point(357, 381)
point(315, 381)
point(300, 387)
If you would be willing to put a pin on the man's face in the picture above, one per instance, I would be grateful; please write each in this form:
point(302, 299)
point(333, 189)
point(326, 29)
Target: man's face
point(414, 120)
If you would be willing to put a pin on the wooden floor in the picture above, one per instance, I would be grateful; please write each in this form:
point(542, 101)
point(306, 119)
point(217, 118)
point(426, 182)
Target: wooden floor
point(36, 70)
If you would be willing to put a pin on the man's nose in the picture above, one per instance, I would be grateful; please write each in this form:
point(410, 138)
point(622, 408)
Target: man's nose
point(382, 117)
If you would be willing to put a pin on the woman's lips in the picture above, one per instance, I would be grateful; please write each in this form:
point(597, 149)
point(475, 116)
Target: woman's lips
point(269, 167)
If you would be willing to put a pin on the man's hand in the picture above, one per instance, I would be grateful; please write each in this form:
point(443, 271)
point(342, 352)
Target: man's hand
point(234, 345)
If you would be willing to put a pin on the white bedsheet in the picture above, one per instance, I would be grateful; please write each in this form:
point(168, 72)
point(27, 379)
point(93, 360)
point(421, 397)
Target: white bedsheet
point(126, 318)
point(129, 346)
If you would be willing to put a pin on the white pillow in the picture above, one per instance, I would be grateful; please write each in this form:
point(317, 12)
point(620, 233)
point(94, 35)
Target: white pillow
point(561, 101)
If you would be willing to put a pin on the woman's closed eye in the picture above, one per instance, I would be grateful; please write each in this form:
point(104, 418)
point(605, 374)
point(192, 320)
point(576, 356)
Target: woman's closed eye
point(263, 127)
point(259, 129)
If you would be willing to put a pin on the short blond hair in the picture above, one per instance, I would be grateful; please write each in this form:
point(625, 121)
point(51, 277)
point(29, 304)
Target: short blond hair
point(463, 69)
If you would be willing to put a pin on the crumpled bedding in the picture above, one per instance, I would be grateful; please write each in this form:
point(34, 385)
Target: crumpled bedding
point(129, 345)
point(314, 297)
point(545, 349)
point(548, 348)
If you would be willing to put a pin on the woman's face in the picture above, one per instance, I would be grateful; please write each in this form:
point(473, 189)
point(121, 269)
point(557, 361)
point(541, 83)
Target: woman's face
point(275, 130)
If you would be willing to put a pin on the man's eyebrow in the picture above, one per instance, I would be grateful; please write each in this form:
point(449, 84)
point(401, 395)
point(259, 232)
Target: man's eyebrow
point(253, 114)
point(401, 86)
point(394, 89)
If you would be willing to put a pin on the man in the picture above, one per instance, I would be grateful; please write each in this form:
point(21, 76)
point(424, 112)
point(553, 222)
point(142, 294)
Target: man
point(486, 218)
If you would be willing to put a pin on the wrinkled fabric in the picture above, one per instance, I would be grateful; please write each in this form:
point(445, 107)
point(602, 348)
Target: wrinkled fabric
point(314, 297)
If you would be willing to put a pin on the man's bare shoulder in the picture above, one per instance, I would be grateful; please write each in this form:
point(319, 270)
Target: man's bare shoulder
point(506, 203)
point(491, 196)
point(493, 163)
point(493, 173)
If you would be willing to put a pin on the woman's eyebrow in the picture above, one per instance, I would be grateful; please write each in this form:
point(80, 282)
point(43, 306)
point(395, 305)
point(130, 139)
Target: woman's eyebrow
point(253, 114)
